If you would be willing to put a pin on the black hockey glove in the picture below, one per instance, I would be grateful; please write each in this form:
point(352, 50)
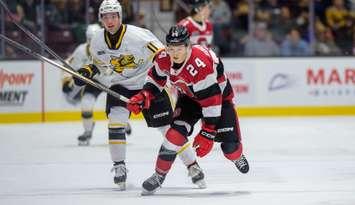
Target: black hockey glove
point(68, 86)
point(87, 71)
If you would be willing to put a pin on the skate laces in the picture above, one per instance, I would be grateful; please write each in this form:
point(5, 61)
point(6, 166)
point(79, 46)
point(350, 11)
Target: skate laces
point(240, 162)
point(155, 179)
point(119, 169)
point(194, 170)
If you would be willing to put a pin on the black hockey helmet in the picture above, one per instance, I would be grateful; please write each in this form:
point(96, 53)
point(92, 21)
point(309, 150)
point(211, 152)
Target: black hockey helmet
point(178, 35)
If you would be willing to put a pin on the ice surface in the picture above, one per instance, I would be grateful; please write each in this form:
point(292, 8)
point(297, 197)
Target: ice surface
point(293, 161)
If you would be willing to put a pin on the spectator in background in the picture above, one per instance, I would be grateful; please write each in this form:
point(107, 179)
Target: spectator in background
point(141, 20)
point(341, 22)
point(293, 45)
point(240, 16)
point(128, 13)
point(302, 23)
point(17, 14)
point(57, 15)
point(325, 45)
point(28, 13)
point(77, 21)
point(336, 15)
point(261, 43)
point(76, 12)
point(198, 24)
point(282, 24)
point(221, 18)
point(239, 25)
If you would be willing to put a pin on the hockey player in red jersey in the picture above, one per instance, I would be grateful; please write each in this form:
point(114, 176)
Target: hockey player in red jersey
point(204, 94)
point(198, 25)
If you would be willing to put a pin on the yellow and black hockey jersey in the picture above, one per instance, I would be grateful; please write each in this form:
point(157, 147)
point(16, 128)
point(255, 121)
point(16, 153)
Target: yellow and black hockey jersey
point(125, 58)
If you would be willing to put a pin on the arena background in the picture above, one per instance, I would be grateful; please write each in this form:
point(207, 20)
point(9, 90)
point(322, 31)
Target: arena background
point(296, 109)
point(318, 80)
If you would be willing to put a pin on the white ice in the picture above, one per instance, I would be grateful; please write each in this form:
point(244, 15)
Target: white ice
point(293, 161)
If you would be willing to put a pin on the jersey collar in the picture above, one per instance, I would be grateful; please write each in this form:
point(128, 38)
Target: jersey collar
point(197, 25)
point(114, 41)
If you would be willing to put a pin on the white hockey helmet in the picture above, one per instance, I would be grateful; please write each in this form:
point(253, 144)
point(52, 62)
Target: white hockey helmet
point(91, 30)
point(110, 6)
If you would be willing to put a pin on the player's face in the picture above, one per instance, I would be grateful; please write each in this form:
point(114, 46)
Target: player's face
point(178, 54)
point(111, 22)
point(205, 11)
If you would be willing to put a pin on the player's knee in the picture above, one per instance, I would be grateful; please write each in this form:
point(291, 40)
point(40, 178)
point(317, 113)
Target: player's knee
point(182, 127)
point(175, 138)
point(232, 150)
point(88, 102)
point(167, 154)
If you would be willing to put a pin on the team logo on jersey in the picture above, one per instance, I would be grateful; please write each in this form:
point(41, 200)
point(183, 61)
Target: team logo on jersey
point(123, 62)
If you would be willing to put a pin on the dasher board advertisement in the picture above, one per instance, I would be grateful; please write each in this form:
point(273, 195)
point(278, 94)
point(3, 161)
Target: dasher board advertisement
point(20, 86)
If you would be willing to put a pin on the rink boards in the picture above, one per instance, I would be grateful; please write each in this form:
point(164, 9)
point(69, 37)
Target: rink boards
point(30, 91)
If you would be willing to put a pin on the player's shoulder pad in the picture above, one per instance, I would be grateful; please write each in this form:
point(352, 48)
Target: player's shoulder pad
point(204, 52)
point(183, 22)
point(139, 34)
point(97, 41)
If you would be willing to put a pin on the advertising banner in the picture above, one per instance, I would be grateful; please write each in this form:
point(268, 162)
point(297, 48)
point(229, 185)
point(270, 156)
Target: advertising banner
point(20, 86)
point(307, 82)
point(241, 75)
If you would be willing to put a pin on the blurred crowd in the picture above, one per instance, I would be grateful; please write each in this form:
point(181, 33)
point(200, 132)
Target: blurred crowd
point(263, 28)
point(283, 28)
point(64, 26)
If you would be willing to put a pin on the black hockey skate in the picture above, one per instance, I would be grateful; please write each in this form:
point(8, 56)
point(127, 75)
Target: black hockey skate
point(128, 129)
point(152, 184)
point(242, 164)
point(84, 139)
point(120, 175)
point(197, 176)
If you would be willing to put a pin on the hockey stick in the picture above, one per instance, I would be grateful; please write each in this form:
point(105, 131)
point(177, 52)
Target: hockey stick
point(75, 74)
point(33, 37)
point(50, 51)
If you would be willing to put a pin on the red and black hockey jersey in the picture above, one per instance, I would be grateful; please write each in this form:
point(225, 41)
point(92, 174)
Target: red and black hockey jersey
point(200, 34)
point(200, 77)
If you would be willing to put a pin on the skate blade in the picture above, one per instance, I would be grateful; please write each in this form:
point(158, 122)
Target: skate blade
point(84, 143)
point(201, 184)
point(148, 193)
point(121, 186)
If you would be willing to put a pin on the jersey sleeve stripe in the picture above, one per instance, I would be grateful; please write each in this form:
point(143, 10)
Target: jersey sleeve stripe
point(209, 80)
point(211, 120)
point(212, 111)
point(211, 101)
point(158, 70)
point(160, 80)
point(152, 48)
point(213, 90)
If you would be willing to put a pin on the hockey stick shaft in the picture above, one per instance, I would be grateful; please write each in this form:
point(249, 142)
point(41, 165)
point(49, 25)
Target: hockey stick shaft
point(77, 75)
point(33, 37)
point(37, 40)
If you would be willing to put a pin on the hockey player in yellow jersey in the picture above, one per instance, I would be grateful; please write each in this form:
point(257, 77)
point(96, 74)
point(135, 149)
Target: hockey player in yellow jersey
point(86, 95)
point(123, 54)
